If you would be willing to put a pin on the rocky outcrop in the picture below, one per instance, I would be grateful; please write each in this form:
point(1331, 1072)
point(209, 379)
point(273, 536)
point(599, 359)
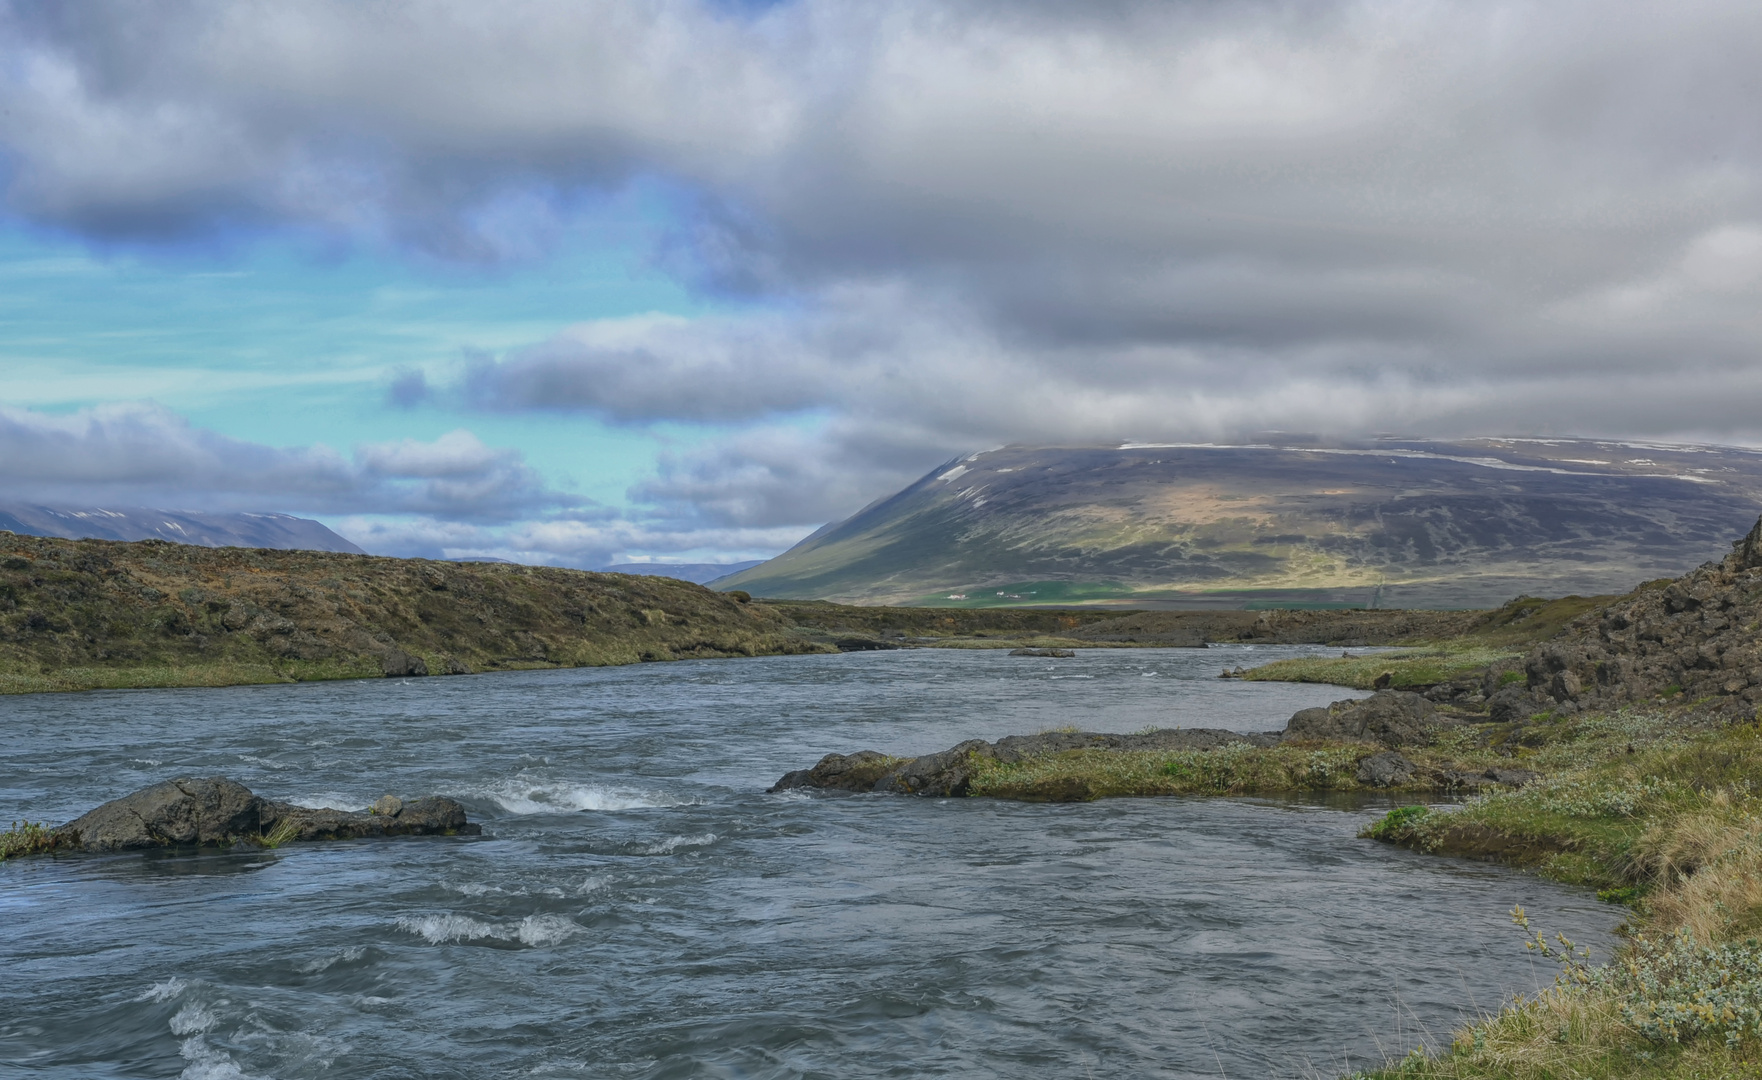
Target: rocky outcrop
point(947, 773)
point(217, 812)
point(1692, 638)
point(1384, 723)
point(1394, 718)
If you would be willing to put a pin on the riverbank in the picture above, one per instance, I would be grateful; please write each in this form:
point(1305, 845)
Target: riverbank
point(93, 614)
point(1655, 810)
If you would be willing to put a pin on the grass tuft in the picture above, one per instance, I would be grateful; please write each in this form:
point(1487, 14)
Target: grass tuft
point(30, 838)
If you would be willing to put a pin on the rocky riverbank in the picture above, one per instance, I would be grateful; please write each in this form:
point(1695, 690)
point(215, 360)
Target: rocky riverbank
point(1391, 741)
point(217, 812)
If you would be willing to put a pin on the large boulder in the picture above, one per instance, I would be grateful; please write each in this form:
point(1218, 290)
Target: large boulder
point(1394, 718)
point(217, 812)
point(172, 813)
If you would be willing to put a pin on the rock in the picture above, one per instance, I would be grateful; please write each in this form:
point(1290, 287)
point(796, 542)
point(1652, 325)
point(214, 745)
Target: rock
point(285, 823)
point(1383, 681)
point(1387, 769)
point(1394, 718)
point(944, 774)
point(1061, 654)
point(217, 812)
point(1474, 781)
point(1513, 705)
point(862, 644)
point(387, 806)
point(840, 772)
point(397, 663)
point(173, 813)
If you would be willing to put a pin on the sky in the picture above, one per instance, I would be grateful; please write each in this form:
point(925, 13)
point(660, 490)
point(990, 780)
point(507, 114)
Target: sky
point(587, 282)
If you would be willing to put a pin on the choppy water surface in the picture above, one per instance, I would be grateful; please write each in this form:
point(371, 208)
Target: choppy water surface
point(639, 908)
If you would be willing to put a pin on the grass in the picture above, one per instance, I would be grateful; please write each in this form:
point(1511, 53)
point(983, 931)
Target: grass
point(1658, 811)
point(1502, 634)
point(1236, 769)
point(1409, 667)
point(212, 673)
point(28, 838)
point(284, 832)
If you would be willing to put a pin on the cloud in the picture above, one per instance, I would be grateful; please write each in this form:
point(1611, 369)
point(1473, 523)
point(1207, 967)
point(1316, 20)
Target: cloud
point(562, 541)
point(145, 455)
point(940, 225)
point(408, 389)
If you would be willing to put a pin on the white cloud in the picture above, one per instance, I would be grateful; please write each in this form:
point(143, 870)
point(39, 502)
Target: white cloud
point(966, 223)
point(145, 455)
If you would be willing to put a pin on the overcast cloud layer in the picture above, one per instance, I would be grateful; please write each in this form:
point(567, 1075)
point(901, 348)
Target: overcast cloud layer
point(943, 226)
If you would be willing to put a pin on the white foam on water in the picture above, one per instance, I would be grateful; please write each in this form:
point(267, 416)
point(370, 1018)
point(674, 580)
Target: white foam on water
point(265, 762)
point(193, 1019)
point(348, 955)
point(329, 800)
point(539, 930)
point(145, 761)
point(525, 796)
point(478, 888)
point(164, 991)
point(674, 843)
point(1073, 676)
point(591, 885)
point(534, 930)
point(436, 929)
point(207, 1062)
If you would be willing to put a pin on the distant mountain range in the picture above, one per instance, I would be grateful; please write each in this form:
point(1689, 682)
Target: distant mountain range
point(700, 572)
point(1390, 523)
point(179, 526)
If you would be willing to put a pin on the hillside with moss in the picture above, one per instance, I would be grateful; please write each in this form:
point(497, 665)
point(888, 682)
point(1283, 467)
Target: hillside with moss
point(1392, 523)
point(82, 614)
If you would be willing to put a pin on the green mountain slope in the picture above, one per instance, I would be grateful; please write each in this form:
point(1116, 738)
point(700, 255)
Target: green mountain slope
point(1394, 523)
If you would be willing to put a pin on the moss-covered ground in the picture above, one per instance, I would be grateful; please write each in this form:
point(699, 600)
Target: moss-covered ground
point(1658, 811)
point(1500, 635)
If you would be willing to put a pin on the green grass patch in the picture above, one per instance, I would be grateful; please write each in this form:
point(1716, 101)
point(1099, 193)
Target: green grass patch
point(1661, 812)
point(29, 838)
point(1408, 668)
point(1237, 769)
point(1024, 593)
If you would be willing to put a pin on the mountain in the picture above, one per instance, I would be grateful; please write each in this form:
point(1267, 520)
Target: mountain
point(1389, 523)
point(179, 526)
point(700, 572)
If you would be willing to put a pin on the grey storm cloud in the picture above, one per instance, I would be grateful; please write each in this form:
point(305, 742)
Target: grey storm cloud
point(135, 454)
point(945, 225)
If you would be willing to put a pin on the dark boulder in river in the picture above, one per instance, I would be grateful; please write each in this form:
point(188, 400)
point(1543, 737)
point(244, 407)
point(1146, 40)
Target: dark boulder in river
point(217, 812)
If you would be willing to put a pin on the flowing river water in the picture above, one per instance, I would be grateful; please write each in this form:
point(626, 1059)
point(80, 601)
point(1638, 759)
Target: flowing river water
point(637, 907)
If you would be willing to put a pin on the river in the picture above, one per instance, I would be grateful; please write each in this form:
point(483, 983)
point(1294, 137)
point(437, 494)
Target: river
point(638, 907)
